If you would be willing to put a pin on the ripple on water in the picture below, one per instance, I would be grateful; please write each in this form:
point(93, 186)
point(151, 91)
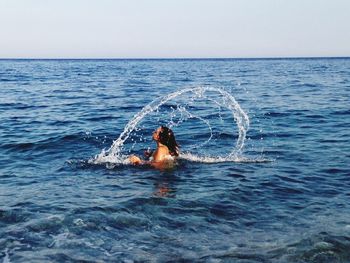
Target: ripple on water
point(16, 215)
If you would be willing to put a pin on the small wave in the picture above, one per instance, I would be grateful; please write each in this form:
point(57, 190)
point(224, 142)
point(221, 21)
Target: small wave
point(277, 114)
point(341, 112)
point(335, 171)
point(47, 143)
point(98, 163)
point(13, 216)
point(6, 259)
point(309, 85)
point(315, 116)
point(321, 248)
point(100, 118)
point(6, 80)
point(21, 106)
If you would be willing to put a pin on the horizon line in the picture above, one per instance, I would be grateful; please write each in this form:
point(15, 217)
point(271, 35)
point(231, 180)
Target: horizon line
point(172, 58)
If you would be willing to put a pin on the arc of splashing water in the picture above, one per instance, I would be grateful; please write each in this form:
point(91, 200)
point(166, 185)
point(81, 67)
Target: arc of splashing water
point(239, 115)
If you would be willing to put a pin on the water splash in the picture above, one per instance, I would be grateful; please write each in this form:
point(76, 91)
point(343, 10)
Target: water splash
point(219, 97)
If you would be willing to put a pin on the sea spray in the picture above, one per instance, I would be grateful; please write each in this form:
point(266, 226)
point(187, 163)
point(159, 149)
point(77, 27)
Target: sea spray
point(115, 153)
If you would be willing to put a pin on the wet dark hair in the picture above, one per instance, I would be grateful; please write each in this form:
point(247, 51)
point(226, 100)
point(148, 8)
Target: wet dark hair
point(167, 137)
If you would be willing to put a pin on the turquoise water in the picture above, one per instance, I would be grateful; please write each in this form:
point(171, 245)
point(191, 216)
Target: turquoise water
point(278, 192)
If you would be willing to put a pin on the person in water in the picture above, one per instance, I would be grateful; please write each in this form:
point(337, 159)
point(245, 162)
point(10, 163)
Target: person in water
point(167, 148)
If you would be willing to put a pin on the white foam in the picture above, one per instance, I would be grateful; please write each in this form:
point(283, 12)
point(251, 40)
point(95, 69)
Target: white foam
point(217, 159)
point(7, 256)
point(59, 240)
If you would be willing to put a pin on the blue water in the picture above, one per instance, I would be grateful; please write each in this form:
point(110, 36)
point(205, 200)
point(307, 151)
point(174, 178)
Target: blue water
point(286, 198)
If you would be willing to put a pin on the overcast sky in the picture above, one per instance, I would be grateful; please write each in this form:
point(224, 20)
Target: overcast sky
point(173, 28)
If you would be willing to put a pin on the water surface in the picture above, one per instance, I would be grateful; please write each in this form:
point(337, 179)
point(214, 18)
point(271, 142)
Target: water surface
point(55, 205)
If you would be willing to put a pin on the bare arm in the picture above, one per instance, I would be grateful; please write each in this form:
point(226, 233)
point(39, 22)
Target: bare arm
point(135, 160)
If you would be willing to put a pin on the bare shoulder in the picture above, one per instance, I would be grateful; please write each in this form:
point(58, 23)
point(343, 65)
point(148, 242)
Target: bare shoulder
point(160, 153)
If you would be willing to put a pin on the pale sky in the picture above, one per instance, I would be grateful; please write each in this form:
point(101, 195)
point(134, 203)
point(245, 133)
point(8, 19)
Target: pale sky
point(174, 28)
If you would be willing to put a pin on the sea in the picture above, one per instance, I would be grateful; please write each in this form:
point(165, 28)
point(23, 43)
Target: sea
point(263, 174)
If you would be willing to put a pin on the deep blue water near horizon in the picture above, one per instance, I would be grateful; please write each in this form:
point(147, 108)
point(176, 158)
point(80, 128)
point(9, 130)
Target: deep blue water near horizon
point(55, 206)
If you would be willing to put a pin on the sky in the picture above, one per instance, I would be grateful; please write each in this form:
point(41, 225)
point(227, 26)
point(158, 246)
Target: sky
point(174, 28)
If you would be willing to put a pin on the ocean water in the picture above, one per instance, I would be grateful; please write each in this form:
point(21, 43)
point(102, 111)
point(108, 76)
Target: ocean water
point(264, 174)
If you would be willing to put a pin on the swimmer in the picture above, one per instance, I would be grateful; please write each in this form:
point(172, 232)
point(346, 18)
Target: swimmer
point(166, 152)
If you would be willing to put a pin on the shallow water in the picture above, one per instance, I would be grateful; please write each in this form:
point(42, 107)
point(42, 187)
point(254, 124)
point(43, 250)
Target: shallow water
point(285, 200)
